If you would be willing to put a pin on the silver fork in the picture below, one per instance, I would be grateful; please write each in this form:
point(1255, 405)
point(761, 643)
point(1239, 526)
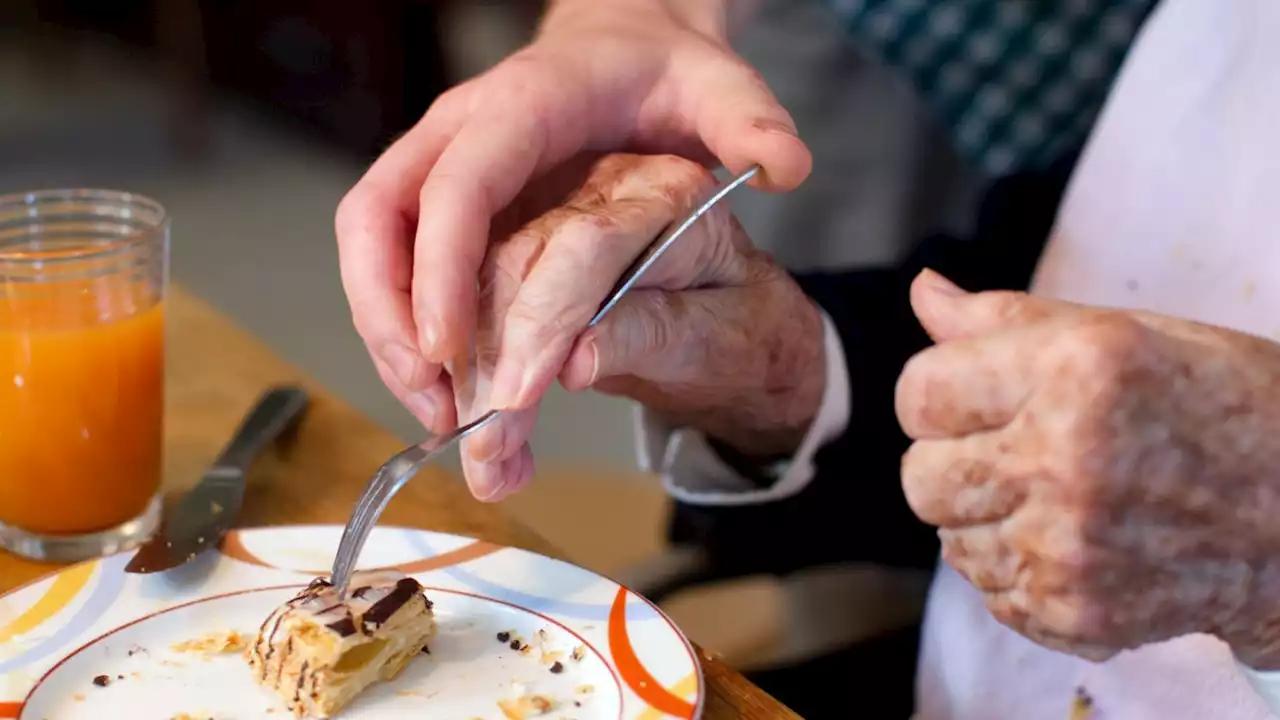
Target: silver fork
point(404, 465)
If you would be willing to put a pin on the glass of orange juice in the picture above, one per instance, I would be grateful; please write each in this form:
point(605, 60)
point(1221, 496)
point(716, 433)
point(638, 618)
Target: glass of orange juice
point(82, 285)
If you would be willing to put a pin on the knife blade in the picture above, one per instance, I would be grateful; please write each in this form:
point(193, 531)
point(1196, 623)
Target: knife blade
point(200, 519)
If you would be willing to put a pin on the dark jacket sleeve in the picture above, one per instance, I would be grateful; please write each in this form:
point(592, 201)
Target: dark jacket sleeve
point(854, 509)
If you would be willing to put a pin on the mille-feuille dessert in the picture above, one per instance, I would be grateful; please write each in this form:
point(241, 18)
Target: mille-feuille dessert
point(319, 652)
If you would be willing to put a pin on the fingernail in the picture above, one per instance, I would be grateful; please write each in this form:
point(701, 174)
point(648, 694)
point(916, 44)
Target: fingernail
point(939, 284)
point(423, 408)
point(402, 361)
point(594, 352)
point(430, 340)
point(508, 386)
point(488, 483)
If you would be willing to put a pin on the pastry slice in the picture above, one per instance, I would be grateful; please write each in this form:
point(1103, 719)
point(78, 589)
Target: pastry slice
point(319, 652)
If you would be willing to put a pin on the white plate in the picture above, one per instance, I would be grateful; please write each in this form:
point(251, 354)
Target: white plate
point(93, 619)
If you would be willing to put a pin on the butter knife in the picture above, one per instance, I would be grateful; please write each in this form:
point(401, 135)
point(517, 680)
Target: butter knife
point(204, 515)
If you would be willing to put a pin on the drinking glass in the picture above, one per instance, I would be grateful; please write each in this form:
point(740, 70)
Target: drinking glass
point(82, 285)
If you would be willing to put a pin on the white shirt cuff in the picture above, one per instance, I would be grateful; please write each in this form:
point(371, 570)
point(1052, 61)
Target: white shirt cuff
point(1265, 683)
point(693, 473)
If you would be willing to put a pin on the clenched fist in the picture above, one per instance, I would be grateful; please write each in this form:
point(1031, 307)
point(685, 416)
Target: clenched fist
point(1107, 478)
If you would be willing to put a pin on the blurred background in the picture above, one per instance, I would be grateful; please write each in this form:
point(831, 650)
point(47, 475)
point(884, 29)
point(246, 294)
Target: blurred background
point(249, 119)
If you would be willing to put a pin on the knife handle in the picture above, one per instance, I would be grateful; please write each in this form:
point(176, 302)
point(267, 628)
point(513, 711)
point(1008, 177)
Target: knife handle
point(277, 411)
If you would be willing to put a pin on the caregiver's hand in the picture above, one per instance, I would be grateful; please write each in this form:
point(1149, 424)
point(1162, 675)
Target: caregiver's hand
point(714, 336)
point(601, 75)
point(1107, 478)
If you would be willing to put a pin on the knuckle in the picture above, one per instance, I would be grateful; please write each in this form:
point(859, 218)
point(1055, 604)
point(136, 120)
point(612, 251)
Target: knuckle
point(1101, 345)
point(519, 254)
point(349, 215)
point(658, 331)
point(528, 82)
point(587, 228)
point(685, 174)
point(910, 395)
point(915, 485)
point(541, 320)
point(373, 332)
point(468, 186)
point(456, 97)
point(1007, 306)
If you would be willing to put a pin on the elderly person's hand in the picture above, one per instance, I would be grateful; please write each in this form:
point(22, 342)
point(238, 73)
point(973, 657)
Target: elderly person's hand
point(604, 75)
point(1107, 478)
point(715, 335)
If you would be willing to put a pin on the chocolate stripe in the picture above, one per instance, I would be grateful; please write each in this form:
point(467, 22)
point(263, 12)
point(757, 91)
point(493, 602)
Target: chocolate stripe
point(404, 591)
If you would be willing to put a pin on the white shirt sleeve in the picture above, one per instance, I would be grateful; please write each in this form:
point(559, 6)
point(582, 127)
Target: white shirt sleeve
point(693, 473)
point(1266, 684)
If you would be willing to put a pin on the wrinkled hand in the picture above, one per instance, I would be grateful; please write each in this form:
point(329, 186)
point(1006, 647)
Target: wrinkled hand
point(1108, 479)
point(601, 75)
point(714, 335)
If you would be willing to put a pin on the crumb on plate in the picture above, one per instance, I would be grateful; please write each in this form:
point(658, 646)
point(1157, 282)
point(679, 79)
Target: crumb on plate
point(526, 706)
point(1082, 705)
point(214, 643)
point(578, 653)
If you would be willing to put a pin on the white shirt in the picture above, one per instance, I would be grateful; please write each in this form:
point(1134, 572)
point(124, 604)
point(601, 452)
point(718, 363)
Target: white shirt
point(1171, 209)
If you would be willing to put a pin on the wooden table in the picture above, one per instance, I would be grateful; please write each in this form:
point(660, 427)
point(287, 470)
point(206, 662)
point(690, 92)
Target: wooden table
point(216, 371)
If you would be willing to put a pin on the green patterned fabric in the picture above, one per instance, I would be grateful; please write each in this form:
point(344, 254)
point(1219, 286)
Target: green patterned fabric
point(1015, 81)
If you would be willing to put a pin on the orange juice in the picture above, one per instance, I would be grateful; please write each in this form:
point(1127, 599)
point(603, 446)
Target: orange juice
point(82, 284)
point(81, 403)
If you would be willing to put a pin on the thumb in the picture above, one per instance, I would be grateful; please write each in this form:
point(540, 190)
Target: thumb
point(742, 123)
point(947, 312)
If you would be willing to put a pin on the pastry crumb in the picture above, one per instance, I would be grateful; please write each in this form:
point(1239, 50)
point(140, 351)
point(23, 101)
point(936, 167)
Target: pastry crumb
point(585, 689)
point(102, 680)
point(409, 693)
point(214, 644)
point(1082, 705)
point(578, 653)
point(526, 706)
point(78, 697)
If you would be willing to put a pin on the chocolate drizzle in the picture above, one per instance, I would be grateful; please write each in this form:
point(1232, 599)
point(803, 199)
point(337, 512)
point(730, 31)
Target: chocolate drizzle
point(302, 678)
point(382, 610)
point(288, 648)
